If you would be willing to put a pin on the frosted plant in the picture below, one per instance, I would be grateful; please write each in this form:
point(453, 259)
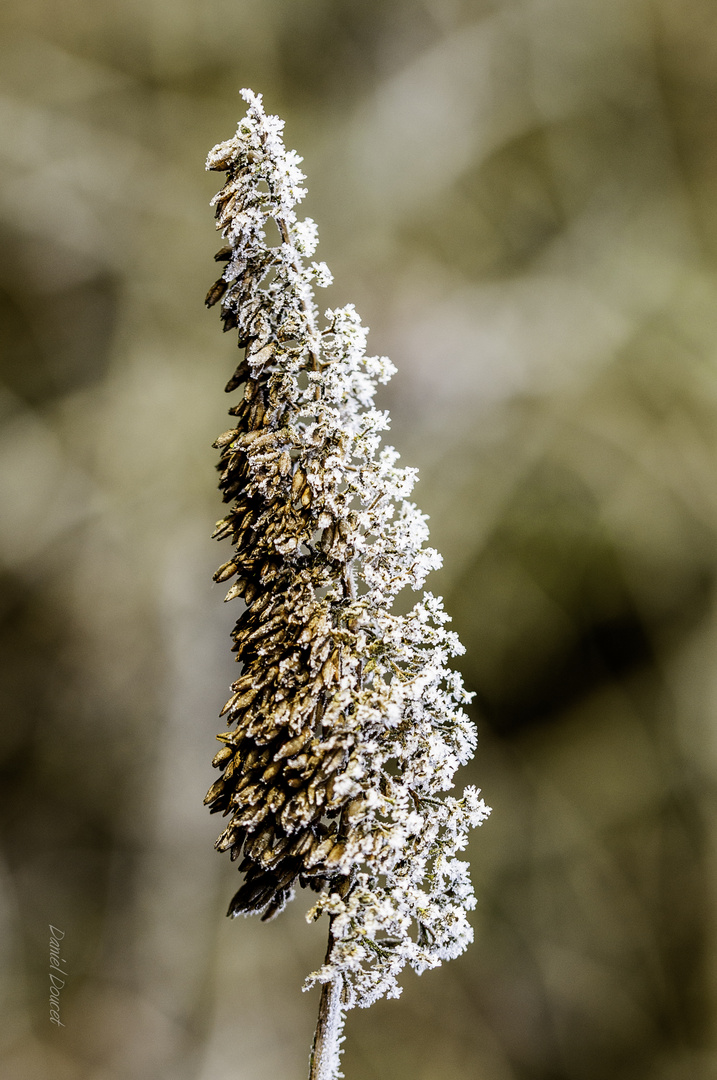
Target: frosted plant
point(346, 724)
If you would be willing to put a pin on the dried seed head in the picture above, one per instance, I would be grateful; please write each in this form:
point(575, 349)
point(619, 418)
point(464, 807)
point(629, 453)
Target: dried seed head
point(344, 711)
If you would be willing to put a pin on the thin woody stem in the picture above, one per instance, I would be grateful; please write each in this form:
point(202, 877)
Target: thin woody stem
point(323, 1063)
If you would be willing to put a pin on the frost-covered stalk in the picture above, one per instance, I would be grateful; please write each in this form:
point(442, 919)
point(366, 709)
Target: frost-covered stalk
point(347, 721)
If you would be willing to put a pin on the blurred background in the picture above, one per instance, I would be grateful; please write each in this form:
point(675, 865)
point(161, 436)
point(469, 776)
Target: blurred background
point(520, 197)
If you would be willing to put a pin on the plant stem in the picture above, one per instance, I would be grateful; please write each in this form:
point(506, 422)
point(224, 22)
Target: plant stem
point(324, 1060)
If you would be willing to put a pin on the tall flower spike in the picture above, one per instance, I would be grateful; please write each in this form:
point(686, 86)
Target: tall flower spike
point(345, 724)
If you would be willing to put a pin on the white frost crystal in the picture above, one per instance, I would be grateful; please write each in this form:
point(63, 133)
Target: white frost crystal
point(349, 726)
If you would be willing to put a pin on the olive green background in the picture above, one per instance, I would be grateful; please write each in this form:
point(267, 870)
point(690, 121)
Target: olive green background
point(520, 198)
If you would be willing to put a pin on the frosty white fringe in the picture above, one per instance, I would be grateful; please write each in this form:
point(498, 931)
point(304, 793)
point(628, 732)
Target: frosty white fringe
point(349, 725)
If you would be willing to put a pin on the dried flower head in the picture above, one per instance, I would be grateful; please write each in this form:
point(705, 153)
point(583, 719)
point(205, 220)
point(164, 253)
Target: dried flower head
point(346, 725)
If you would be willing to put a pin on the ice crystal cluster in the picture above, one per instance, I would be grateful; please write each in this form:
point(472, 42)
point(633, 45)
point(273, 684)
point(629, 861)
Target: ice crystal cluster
point(345, 724)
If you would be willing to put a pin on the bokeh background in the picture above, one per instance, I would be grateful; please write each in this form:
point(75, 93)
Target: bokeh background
point(520, 197)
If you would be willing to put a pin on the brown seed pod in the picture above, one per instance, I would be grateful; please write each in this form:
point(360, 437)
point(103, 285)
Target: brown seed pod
point(226, 438)
point(257, 413)
point(236, 590)
point(297, 483)
point(226, 571)
point(223, 528)
point(216, 292)
point(221, 756)
point(292, 746)
point(261, 356)
point(215, 791)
